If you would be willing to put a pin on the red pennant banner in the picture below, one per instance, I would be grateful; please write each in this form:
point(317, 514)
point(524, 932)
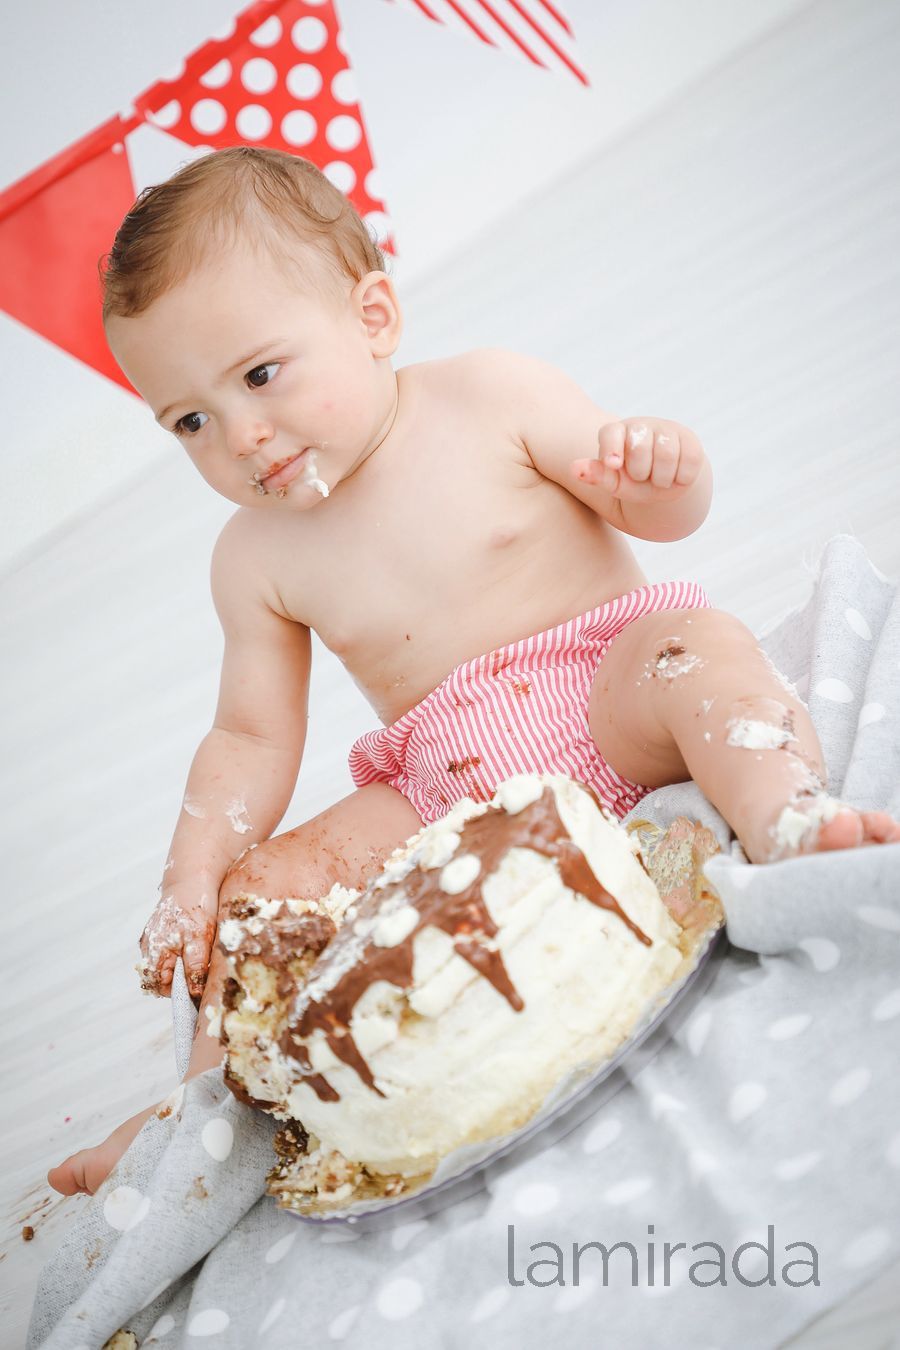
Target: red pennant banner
point(277, 77)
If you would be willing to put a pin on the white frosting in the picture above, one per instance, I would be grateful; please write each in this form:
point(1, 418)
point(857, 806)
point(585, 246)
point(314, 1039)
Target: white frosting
point(310, 477)
point(680, 664)
point(393, 928)
point(459, 874)
point(236, 811)
point(793, 827)
point(755, 735)
point(518, 792)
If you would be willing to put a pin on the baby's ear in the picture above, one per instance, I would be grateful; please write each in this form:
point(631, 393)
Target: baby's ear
point(379, 309)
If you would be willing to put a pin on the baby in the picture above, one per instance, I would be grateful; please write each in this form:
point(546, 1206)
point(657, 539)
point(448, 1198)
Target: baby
point(455, 531)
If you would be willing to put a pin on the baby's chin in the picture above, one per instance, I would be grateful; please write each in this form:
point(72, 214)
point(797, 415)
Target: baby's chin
point(295, 497)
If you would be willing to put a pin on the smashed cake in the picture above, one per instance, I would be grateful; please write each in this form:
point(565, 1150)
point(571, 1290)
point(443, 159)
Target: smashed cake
point(504, 948)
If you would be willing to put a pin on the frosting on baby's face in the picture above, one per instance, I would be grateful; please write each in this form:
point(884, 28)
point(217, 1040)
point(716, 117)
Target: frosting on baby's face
point(278, 393)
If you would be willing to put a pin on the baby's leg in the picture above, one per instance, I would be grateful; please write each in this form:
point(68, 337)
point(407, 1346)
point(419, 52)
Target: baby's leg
point(344, 844)
point(690, 694)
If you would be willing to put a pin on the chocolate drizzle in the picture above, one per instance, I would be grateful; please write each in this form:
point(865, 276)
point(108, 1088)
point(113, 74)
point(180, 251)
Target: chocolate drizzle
point(282, 941)
point(464, 917)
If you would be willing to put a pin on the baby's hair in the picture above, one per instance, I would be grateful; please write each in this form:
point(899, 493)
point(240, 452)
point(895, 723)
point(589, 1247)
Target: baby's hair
point(274, 200)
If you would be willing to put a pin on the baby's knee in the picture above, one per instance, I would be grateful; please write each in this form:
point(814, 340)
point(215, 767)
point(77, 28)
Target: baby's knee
point(702, 635)
point(245, 875)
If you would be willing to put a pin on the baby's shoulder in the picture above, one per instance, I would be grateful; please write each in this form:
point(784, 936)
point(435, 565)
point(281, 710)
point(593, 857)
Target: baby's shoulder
point(251, 557)
point(480, 370)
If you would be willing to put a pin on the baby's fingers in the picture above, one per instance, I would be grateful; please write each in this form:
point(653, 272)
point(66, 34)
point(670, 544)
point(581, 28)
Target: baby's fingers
point(638, 451)
point(690, 459)
point(666, 451)
point(595, 472)
point(196, 957)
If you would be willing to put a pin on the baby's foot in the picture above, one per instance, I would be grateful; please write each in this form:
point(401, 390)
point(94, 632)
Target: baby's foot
point(84, 1171)
point(819, 824)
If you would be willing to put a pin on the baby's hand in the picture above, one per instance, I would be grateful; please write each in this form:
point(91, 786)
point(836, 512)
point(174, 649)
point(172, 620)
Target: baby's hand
point(643, 459)
point(175, 929)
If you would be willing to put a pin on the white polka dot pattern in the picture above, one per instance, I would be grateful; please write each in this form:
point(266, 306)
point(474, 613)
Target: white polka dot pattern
point(253, 122)
point(537, 1198)
point(284, 84)
point(303, 81)
point(399, 1298)
point(343, 1323)
point(791, 1169)
point(745, 1101)
point(786, 1028)
point(343, 87)
point(869, 713)
point(124, 1208)
point(299, 127)
point(379, 224)
point(209, 1322)
point(490, 1303)
point(878, 916)
point(626, 1191)
point(887, 1008)
point(272, 1315)
point(208, 116)
point(663, 1103)
point(602, 1135)
point(268, 33)
point(835, 690)
point(697, 1031)
point(218, 1138)
point(309, 34)
point(701, 1163)
point(850, 1087)
point(341, 174)
point(858, 623)
point(167, 115)
point(280, 1249)
point(258, 76)
point(823, 953)
point(343, 133)
point(217, 75)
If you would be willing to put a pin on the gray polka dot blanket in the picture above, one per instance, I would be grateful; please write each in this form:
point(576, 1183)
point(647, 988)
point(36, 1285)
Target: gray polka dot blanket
point(725, 1191)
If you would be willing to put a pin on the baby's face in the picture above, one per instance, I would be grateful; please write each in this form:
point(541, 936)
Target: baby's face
point(264, 383)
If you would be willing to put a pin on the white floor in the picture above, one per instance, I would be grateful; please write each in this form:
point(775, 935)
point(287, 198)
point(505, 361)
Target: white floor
point(732, 264)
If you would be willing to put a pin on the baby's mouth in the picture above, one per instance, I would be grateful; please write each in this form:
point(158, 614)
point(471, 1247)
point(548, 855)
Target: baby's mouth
point(279, 475)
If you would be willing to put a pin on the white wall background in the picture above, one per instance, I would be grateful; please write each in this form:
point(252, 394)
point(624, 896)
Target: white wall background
point(461, 132)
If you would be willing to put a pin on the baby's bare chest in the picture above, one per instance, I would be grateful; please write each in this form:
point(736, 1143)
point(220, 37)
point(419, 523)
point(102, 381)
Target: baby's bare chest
point(462, 548)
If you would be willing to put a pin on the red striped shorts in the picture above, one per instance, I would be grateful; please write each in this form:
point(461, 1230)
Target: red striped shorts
point(520, 709)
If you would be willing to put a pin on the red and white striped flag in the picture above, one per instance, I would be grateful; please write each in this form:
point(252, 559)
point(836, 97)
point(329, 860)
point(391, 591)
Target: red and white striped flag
point(536, 29)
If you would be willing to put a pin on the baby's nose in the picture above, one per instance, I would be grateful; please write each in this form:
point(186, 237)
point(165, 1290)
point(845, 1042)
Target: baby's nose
point(245, 438)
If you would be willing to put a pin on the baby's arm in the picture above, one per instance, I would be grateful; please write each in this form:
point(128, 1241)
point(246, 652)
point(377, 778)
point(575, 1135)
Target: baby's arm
point(647, 476)
point(245, 768)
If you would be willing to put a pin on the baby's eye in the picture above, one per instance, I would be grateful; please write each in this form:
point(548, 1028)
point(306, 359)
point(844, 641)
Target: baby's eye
point(188, 425)
point(251, 375)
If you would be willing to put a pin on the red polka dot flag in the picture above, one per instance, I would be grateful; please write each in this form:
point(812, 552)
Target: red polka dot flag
point(277, 76)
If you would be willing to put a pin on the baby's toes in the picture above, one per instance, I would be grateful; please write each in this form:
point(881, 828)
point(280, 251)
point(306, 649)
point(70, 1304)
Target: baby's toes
point(879, 827)
point(68, 1178)
point(844, 830)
